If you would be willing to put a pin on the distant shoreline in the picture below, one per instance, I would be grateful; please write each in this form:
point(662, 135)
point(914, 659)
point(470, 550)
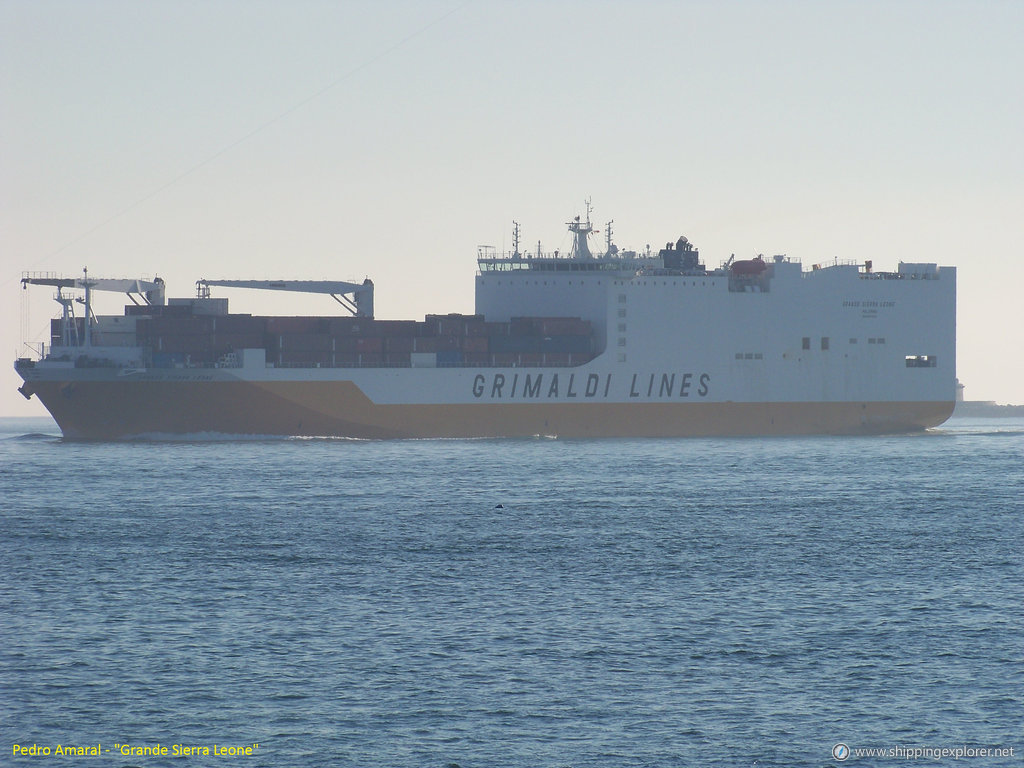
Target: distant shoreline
point(988, 409)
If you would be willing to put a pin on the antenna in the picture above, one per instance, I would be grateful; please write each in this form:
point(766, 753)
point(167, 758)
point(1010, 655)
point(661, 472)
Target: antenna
point(515, 240)
point(88, 307)
point(608, 237)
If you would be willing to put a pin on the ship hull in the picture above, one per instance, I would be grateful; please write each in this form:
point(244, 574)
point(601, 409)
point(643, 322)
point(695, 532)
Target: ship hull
point(111, 410)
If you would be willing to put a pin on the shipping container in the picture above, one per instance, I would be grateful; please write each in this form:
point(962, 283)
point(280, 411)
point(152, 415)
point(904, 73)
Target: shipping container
point(237, 341)
point(475, 344)
point(496, 329)
point(402, 344)
point(556, 359)
point(440, 344)
point(239, 324)
point(565, 344)
point(182, 326)
point(517, 343)
point(289, 325)
point(522, 326)
point(344, 343)
point(449, 357)
point(424, 344)
point(191, 344)
point(564, 326)
point(346, 326)
point(159, 310)
point(316, 342)
point(390, 328)
point(369, 344)
point(456, 324)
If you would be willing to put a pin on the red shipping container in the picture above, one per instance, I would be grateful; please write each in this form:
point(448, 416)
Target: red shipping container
point(237, 340)
point(306, 341)
point(239, 324)
point(344, 326)
point(522, 326)
point(183, 326)
point(369, 344)
point(449, 343)
point(290, 325)
point(474, 344)
point(402, 344)
point(396, 327)
point(344, 343)
point(184, 344)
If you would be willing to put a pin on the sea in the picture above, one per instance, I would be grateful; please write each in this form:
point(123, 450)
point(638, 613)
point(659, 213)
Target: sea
point(528, 603)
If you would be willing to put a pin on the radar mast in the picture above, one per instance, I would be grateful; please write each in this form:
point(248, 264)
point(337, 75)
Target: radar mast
point(515, 240)
point(581, 230)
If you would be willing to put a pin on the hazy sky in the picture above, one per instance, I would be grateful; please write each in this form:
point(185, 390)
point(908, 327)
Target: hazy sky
point(235, 139)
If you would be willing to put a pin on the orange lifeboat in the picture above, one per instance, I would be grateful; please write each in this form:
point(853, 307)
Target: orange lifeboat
point(749, 267)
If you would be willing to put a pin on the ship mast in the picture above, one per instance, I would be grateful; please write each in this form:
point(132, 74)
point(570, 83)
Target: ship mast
point(580, 231)
point(608, 238)
point(88, 307)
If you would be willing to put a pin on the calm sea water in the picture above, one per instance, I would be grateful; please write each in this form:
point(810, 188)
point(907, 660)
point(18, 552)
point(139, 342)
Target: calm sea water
point(514, 603)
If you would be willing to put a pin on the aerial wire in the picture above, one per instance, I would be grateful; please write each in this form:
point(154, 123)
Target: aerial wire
point(256, 131)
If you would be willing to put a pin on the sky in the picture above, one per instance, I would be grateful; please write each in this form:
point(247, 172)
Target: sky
point(389, 138)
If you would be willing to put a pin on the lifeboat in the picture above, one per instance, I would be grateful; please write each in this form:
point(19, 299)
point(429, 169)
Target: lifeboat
point(749, 267)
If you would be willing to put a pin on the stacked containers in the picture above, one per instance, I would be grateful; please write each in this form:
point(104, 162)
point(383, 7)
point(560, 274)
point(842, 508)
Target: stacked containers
point(454, 340)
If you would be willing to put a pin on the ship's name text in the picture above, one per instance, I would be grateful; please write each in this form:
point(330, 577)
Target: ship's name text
point(521, 386)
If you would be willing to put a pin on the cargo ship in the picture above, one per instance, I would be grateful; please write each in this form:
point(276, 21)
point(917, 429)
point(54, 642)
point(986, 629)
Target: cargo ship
point(648, 343)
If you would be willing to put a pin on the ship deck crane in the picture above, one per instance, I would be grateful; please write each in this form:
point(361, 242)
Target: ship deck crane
point(150, 292)
point(357, 298)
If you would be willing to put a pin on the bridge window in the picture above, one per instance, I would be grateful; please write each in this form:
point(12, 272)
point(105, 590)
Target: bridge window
point(922, 361)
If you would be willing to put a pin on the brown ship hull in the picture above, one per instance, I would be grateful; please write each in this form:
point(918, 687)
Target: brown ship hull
point(108, 410)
